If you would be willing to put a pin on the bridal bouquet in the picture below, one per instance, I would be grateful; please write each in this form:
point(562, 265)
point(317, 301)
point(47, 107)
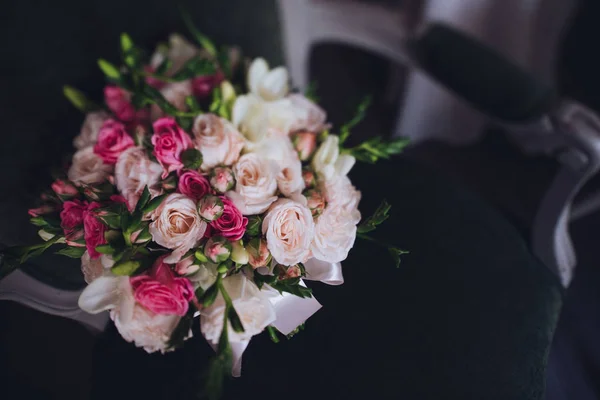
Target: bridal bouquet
point(190, 196)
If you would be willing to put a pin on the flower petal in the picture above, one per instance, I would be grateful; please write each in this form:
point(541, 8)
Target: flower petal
point(102, 294)
point(274, 84)
point(257, 71)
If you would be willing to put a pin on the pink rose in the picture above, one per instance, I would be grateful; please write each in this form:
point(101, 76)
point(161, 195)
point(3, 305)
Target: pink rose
point(133, 172)
point(119, 102)
point(152, 81)
point(258, 253)
point(210, 208)
point(169, 141)
point(94, 230)
point(64, 189)
point(217, 249)
point(217, 139)
point(161, 292)
point(113, 140)
point(71, 220)
point(202, 86)
point(193, 184)
point(231, 224)
point(222, 179)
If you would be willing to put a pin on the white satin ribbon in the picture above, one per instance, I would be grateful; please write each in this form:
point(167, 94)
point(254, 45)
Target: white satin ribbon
point(326, 272)
point(290, 311)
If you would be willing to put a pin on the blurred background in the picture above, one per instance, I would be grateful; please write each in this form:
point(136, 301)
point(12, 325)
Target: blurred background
point(356, 55)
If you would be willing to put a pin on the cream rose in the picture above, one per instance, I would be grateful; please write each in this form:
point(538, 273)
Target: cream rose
point(217, 139)
point(335, 232)
point(339, 192)
point(281, 151)
point(252, 306)
point(144, 328)
point(256, 184)
point(289, 230)
point(176, 225)
point(134, 171)
point(89, 131)
point(328, 162)
point(88, 168)
point(175, 93)
point(309, 116)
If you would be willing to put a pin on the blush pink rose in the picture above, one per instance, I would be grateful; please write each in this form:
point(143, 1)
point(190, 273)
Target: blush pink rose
point(42, 210)
point(152, 81)
point(71, 219)
point(231, 224)
point(169, 141)
point(94, 230)
point(119, 102)
point(113, 140)
point(64, 189)
point(161, 292)
point(202, 86)
point(193, 185)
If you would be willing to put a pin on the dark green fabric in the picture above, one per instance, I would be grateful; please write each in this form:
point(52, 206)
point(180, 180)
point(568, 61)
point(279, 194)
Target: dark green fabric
point(468, 315)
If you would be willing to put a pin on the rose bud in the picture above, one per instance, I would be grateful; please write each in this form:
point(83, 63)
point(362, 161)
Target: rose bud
point(258, 253)
point(239, 255)
point(315, 201)
point(64, 189)
point(290, 272)
point(99, 191)
point(309, 178)
point(254, 225)
point(217, 249)
point(305, 144)
point(169, 184)
point(186, 266)
point(36, 212)
point(210, 207)
point(222, 179)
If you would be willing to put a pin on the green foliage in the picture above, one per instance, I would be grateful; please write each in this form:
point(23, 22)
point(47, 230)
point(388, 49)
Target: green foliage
point(182, 330)
point(311, 92)
point(126, 268)
point(197, 66)
point(191, 158)
point(79, 100)
point(73, 252)
point(291, 286)
point(375, 149)
point(109, 69)
point(378, 217)
point(202, 40)
point(360, 114)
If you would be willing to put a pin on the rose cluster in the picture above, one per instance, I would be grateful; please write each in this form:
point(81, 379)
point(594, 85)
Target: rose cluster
point(175, 211)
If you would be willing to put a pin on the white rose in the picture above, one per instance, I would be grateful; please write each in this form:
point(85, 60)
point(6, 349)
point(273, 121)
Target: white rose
point(339, 192)
point(259, 120)
point(252, 306)
point(309, 116)
point(175, 93)
point(93, 269)
point(256, 184)
point(88, 168)
point(176, 225)
point(327, 161)
point(268, 84)
point(89, 131)
point(144, 328)
point(280, 150)
point(217, 139)
point(289, 230)
point(134, 171)
point(335, 232)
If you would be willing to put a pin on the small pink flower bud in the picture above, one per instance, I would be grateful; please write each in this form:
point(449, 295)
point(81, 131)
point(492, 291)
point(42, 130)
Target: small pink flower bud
point(64, 189)
point(36, 212)
point(309, 178)
point(210, 207)
point(217, 249)
point(258, 253)
point(305, 144)
point(315, 201)
point(292, 271)
point(186, 266)
point(222, 179)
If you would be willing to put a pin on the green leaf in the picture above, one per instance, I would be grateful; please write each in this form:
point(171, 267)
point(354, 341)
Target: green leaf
point(360, 114)
point(157, 98)
point(126, 42)
point(182, 330)
point(395, 253)
point(197, 66)
point(36, 250)
point(210, 296)
point(191, 158)
point(164, 66)
point(112, 221)
point(185, 123)
point(200, 38)
point(109, 70)
point(311, 92)
point(143, 201)
point(378, 217)
point(73, 252)
point(375, 149)
point(44, 221)
point(273, 334)
point(125, 268)
point(105, 249)
point(193, 104)
point(154, 203)
point(79, 100)
point(234, 319)
point(291, 286)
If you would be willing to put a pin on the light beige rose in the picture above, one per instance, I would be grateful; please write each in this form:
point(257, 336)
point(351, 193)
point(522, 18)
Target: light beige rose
point(281, 151)
point(88, 168)
point(175, 93)
point(309, 116)
point(256, 184)
point(335, 232)
point(93, 269)
point(289, 230)
point(134, 171)
point(176, 225)
point(89, 131)
point(218, 141)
